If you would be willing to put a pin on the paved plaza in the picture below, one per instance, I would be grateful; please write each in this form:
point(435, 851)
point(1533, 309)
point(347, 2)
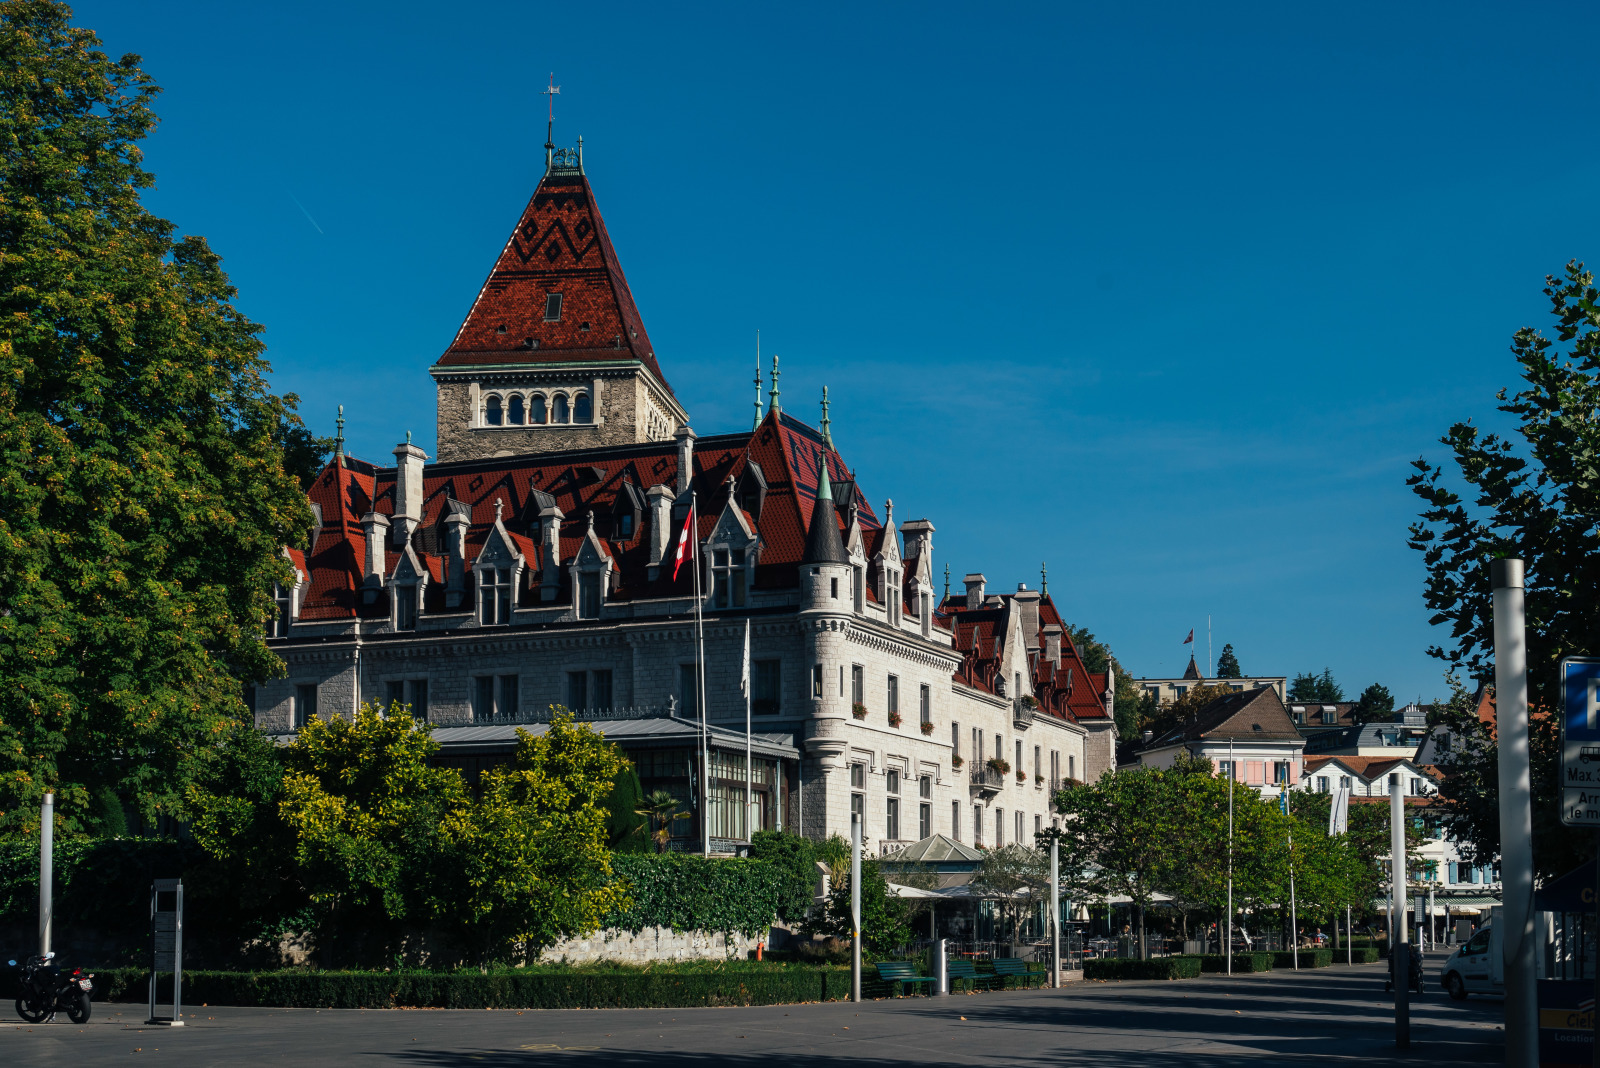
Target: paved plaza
point(1331, 1016)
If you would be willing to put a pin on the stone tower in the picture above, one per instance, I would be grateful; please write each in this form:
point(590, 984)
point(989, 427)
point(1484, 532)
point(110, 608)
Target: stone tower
point(553, 354)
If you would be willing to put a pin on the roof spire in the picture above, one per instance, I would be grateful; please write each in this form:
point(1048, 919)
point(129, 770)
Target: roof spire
point(823, 544)
point(946, 582)
point(776, 409)
point(338, 439)
point(758, 381)
point(499, 507)
point(1044, 580)
point(550, 120)
point(827, 438)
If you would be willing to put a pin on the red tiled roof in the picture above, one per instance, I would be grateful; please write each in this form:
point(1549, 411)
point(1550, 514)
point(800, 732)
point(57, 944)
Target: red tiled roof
point(559, 245)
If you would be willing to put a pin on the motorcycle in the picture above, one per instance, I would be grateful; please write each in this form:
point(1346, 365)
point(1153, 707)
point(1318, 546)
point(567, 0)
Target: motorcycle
point(47, 990)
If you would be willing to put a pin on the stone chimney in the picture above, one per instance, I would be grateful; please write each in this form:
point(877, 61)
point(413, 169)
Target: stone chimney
point(1027, 602)
point(456, 522)
point(1052, 643)
point(659, 501)
point(550, 517)
point(375, 529)
point(685, 437)
point(407, 490)
point(975, 585)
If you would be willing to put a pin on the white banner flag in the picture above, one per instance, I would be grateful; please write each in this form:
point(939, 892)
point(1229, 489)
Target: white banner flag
point(744, 672)
point(1339, 812)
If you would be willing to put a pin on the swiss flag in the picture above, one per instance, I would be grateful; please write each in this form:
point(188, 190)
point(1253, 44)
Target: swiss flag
point(1185, 641)
point(683, 544)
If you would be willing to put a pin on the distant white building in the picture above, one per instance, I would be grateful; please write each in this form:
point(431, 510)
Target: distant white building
point(1169, 690)
point(1247, 735)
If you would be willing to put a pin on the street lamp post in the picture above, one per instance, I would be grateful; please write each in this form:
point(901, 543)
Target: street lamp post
point(1516, 812)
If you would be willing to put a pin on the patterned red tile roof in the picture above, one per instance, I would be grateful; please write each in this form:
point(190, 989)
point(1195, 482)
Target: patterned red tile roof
point(559, 245)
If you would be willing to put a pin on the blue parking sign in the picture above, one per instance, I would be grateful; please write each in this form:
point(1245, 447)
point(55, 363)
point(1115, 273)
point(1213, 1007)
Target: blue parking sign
point(1580, 741)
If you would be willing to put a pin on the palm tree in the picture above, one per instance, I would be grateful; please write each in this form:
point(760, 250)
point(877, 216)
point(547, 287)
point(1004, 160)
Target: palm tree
point(660, 808)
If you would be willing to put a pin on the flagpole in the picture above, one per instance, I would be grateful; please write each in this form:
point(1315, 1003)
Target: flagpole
point(1227, 951)
point(749, 774)
point(700, 676)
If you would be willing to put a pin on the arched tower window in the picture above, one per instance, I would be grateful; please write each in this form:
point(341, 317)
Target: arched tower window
point(514, 415)
point(560, 414)
point(536, 409)
point(492, 416)
point(582, 409)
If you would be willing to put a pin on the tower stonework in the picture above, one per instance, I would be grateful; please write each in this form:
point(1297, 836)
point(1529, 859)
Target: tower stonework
point(553, 355)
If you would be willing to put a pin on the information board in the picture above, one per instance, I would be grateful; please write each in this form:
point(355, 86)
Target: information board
point(1580, 741)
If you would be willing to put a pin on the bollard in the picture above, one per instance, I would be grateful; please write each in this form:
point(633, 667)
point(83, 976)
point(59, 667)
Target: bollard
point(941, 969)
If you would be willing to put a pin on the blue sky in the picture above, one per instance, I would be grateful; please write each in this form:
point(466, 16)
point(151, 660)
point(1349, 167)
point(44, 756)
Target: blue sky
point(1166, 296)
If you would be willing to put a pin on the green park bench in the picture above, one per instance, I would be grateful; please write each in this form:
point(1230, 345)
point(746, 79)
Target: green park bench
point(1015, 968)
point(958, 970)
point(900, 973)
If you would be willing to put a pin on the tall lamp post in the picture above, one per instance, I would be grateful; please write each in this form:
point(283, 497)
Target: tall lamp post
point(855, 907)
point(1516, 812)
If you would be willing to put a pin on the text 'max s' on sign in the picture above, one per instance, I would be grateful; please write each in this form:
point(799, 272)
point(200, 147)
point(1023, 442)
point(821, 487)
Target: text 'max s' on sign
point(1580, 741)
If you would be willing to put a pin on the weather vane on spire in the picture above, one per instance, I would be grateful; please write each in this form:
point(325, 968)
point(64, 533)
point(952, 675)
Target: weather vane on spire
point(550, 94)
point(758, 381)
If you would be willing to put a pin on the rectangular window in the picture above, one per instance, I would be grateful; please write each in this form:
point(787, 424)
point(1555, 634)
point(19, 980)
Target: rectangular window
point(394, 693)
point(600, 690)
point(419, 698)
point(893, 814)
point(858, 587)
point(1225, 769)
point(925, 788)
point(834, 582)
point(925, 704)
point(494, 596)
point(1018, 838)
point(894, 694)
point(1322, 784)
point(955, 820)
point(999, 828)
point(858, 808)
point(577, 690)
point(1072, 766)
point(858, 684)
point(552, 307)
point(977, 825)
point(1280, 771)
point(588, 595)
point(508, 696)
point(1017, 766)
point(1038, 825)
point(977, 745)
point(955, 738)
point(1038, 762)
point(305, 705)
point(891, 781)
point(858, 776)
point(405, 608)
point(924, 821)
point(483, 698)
point(689, 690)
point(765, 687)
point(816, 681)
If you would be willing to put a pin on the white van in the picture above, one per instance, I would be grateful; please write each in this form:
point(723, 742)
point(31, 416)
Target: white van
point(1478, 967)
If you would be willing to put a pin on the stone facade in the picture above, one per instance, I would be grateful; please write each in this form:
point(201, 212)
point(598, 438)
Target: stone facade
point(629, 406)
point(650, 944)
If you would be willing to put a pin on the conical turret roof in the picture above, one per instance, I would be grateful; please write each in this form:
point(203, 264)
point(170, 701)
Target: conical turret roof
point(823, 543)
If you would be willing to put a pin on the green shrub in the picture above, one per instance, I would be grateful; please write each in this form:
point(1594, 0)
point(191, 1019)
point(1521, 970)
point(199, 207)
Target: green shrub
point(529, 988)
point(1242, 962)
point(796, 860)
point(686, 892)
point(1115, 968)
point(1369, 955)
point(1309, 958)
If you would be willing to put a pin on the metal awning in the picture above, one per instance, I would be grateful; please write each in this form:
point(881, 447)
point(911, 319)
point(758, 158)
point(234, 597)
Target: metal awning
point(654, 732)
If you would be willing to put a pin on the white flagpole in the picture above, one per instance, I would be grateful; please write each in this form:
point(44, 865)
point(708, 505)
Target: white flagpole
point(749, 774)
point(1233, 768)
point(700, 676)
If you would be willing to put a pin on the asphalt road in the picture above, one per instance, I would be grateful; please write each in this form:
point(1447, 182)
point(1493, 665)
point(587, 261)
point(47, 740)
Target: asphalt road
point(1328, 1017)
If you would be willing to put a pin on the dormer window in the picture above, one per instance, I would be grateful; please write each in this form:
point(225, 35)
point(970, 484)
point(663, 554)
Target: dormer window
point(494, 596)
point(728, 578)
point(589, 594)
point(492, 414)
point(552, 307)
point(895, 605)
point(624, 526)
point(278, 622)
point(405, 607)
point(1328, 718)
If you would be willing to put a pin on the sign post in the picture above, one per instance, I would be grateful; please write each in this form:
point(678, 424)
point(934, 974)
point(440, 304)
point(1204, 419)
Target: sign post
point(166, 946)
point(1580, 763)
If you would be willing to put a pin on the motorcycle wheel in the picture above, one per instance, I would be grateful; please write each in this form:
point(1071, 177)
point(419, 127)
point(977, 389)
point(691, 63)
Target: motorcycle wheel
point(31, 1013)
point(79, 1008)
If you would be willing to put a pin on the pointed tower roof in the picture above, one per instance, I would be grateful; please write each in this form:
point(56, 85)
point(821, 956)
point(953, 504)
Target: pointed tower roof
point(823, 544)
point(1193, 672)
point(559, 246)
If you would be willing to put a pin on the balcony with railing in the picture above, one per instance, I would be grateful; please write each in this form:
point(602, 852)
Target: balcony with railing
point(1022, 711)
point(986, 781)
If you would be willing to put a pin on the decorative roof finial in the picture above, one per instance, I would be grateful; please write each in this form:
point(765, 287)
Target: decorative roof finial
point(338, 439)
point(499, 506)
point(758, 381)
point(827, 438)
point(946, 582)
point(550, 120)
point(1044, 580)
point(408, 437)
point(773, 393)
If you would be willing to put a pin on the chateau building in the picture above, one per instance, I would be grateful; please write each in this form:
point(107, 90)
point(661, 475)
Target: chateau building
point(533, 564)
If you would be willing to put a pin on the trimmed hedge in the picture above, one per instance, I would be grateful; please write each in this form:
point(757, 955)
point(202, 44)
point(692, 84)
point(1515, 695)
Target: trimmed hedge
point(521, 989)
point(1242, 962)
point(1369, 955)
point(688, 892)
point(1117, 968)
point(1309, 958)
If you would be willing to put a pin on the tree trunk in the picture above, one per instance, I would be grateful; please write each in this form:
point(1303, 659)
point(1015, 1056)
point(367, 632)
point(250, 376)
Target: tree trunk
point(1144, 949)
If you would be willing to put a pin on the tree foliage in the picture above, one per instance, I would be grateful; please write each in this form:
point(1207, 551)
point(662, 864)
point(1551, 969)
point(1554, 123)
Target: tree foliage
point(1375, 703)
point(1318, 689)
point(1528, 492)
point(1163, 717)
point(1127, 697)
point(144, 497)
point(885, 918)
point(1228, 664)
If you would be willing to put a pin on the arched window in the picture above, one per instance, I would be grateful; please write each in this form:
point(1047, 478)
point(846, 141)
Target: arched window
point(559, 406)
point(582, 410)
point(536, 409)
point(514, 415)
point(492, 415)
